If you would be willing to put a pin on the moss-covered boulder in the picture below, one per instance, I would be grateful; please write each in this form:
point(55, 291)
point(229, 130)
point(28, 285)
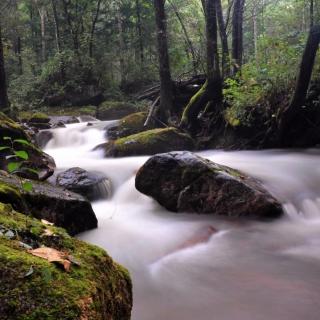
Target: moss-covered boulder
point(64, 208)
point(148, 143)
point(114, 110)
point(129, 125)
point(32, 288)
point(34, 117)
point(185, 182)
point(37, 159)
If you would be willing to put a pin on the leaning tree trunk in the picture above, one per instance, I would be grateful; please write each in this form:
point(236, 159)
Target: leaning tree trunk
point(166, 89)
point(209, 97)
point(4, 103)
point(187, 38)
point(303, 81)
point(237, 34)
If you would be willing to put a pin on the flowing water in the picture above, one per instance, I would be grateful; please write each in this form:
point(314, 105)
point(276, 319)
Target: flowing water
point(245, 271)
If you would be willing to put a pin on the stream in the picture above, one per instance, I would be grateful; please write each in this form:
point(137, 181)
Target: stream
point(245, 271)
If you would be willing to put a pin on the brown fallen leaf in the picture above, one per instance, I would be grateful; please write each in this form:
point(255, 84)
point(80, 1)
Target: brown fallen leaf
point(52, 255)
point(47, 222)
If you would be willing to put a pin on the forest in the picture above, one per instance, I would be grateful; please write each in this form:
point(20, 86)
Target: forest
point(159, 159)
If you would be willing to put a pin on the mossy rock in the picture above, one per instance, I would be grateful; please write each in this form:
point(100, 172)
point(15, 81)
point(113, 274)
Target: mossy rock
point(37, 159)
point(11, 129)
point(96, 287)
point(129, 125)
point(114, 110)
point(148, 143)
point(34, 117)
point(64, 208)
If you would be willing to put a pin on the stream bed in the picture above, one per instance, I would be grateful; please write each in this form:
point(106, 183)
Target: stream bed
point(245, 271)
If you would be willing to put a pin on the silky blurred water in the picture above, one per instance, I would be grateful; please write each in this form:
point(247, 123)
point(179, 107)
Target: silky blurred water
point(246, 271)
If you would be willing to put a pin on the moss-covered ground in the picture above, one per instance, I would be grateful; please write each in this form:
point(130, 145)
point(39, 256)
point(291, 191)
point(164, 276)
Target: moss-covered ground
point(33, 288)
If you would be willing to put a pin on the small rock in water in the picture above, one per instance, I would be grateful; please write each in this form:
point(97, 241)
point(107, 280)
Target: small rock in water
point(92, 185)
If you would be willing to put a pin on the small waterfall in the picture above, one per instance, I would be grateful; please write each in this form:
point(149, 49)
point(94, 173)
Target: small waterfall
point(255, 270)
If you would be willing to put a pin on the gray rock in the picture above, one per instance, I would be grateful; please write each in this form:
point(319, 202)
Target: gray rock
point(185, 182)
point(92, 185)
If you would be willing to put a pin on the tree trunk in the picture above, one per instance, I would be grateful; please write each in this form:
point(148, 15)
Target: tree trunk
point(73, 31)
point(43, 15)
point(186, 35)
point(303, 81)
point(311, 13)
point(255, 31)
point(121, 46)
point(139, 29)
point(166, 90)
point(4, 103)
point(56, 25)
point(237, 34)
point(17, 51)
point(209, 97)
point(224, 41)
point(58, 39)
point(93, 28)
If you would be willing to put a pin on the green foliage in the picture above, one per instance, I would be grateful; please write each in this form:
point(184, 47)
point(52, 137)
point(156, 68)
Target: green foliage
point(18, 160)
point(272, 71)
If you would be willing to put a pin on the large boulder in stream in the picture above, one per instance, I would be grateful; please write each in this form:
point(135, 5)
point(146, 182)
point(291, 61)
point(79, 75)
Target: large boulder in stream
point(63, 208)
point(148, 143)
point(46, 274)
point(185, 182)
point(92, 185)
point(21, 141)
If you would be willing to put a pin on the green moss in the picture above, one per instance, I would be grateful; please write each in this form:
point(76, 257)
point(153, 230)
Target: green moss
point(149, 142)
point(129, 125)
point(61, 111)
point(107, 105)
point(96, 289)
point(10, 194)
point(10, 128)
point(192, 102)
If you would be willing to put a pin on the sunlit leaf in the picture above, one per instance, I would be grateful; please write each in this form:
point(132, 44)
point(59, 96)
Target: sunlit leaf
point(4, 148)
point(22, 141)
point(22, 154)
point(27, 186)
point(13, 166)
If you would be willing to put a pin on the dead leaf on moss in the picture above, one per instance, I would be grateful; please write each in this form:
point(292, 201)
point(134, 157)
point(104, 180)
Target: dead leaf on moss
point(47, 222)
point(52, 255)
